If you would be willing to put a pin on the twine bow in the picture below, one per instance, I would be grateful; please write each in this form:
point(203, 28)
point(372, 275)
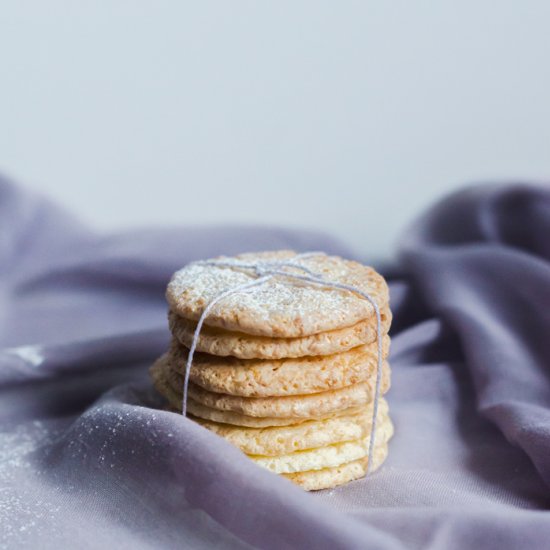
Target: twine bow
point(265, 271)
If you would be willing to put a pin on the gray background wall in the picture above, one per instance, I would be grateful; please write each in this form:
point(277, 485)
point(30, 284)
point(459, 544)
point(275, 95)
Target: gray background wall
point(345, 116)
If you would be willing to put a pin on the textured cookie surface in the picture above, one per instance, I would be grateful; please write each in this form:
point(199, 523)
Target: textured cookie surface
point(235, 419)
point(314, 459)
point(199, 411)
point(328, 456)
point(307, 435)
point(279, 307)
point(279, 377)
point(220, 342)
point(311, 405)
point(328, 478)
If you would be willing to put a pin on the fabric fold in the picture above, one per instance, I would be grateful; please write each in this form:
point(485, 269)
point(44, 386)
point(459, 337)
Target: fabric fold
point(90, 458)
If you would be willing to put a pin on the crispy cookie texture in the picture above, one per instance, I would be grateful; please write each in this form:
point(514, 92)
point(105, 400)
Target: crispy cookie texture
point(279, 377)
point(220, 342)
point(200, 411)
point(275, 441)
point(329, 456)
point(281, 307)
point(328, 478)
point(235, 419)
point(308, 406)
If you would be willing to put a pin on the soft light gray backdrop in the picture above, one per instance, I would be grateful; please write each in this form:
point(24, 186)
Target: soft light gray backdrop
point(345, 116)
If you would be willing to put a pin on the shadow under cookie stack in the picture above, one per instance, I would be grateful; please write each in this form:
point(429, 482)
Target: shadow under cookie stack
point(285, 371)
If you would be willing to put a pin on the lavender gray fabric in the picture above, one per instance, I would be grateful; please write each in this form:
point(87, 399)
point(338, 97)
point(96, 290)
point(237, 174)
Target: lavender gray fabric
point(89, 460)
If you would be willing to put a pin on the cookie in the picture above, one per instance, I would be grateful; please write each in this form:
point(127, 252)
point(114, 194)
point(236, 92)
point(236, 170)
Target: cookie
point(328, 478)
point(198, 411)
point(162, 385)
point(329, 456)
point(281, 307)
point(285, 370)
point(307, 406)
point(311, 434)
point(220, 342)
point(235, 419)
point(279, 377)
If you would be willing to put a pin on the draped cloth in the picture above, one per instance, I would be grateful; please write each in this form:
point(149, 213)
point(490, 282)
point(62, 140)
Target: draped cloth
point(89, 459)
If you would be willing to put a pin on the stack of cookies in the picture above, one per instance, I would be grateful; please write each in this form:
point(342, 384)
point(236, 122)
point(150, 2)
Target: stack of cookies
point(286, 371)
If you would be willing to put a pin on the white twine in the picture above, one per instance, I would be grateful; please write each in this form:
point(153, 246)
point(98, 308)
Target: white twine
point(266, 270)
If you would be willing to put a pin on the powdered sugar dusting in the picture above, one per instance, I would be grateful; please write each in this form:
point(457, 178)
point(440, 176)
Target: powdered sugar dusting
point(281, 306)
point(22, 511)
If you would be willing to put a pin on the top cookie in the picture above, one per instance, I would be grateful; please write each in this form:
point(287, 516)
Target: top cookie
point(281, 307)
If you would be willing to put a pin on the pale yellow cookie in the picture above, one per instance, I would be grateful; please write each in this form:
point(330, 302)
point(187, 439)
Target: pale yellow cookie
point(280, 307)
point(307, 435)
point(220, 342)
point(328, 456)
point(280, 377)
point(314, 459)
point(328, 478)
point(235, 419)
point(162, 385)
point(312, 405)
